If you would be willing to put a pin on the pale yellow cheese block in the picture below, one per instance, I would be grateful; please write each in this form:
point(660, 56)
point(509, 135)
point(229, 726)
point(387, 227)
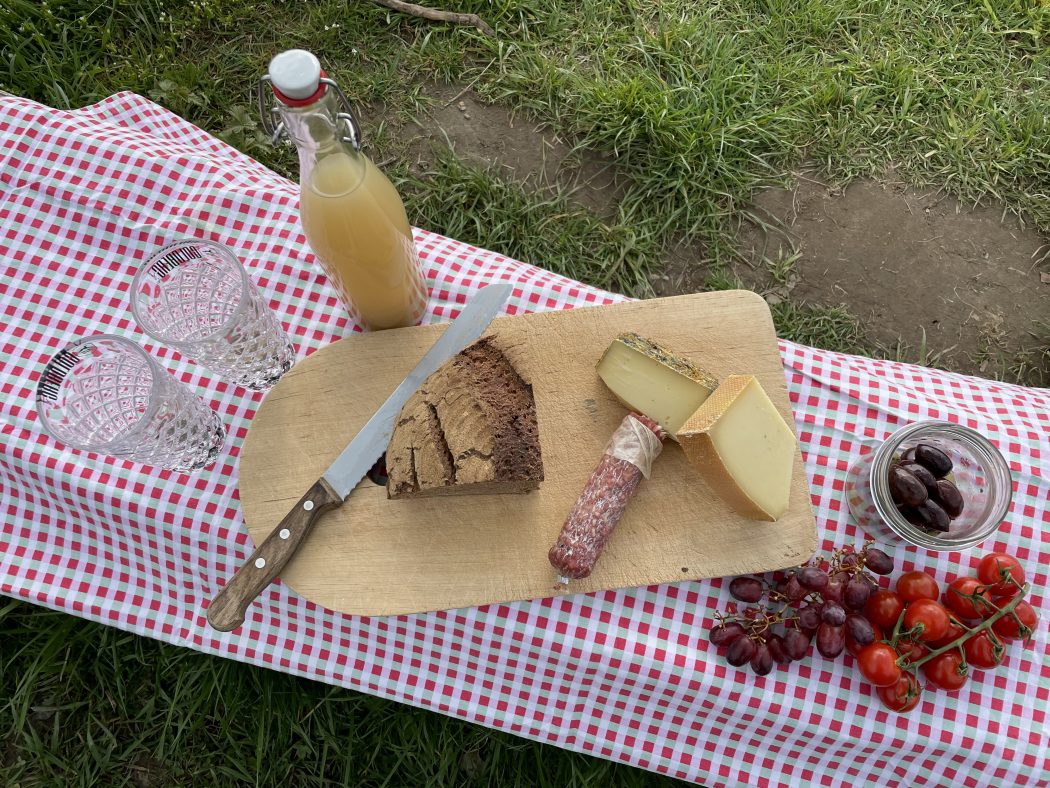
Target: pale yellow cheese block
point(743, 447)
point(652, 380)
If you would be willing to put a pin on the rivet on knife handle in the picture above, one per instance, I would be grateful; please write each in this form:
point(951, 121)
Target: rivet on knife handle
point(226, 612)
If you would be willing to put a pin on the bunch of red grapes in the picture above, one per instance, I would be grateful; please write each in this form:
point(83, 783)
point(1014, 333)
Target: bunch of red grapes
point(820, 601)
point(838, 604)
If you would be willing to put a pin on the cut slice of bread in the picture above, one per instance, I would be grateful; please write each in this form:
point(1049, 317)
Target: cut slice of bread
point(469, 429)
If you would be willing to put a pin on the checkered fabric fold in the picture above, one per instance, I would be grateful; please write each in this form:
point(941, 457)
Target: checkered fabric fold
point(86, 195)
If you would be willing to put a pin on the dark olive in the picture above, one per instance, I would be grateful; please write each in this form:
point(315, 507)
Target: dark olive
point(911, 515)
point(923, 474)
point(908, 455)
point(931, 516)
point(905, 488)
point(949, 497)
point(937, 461)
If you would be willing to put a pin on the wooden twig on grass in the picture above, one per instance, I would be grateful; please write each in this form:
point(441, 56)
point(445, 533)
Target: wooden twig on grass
point(438, 16)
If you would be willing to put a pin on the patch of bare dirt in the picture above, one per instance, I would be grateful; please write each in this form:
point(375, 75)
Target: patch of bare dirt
point(968, 284)
point(931, 280)
point(485, 134)
point(148, 772)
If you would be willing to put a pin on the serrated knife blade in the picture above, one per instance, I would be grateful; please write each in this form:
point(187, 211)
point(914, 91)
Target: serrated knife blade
point(227, 610)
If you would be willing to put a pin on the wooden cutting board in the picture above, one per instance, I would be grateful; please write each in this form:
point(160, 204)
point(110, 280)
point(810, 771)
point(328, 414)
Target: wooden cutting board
point(374, 556)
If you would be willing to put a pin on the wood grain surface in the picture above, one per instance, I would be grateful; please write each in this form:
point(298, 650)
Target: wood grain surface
point(374, 556)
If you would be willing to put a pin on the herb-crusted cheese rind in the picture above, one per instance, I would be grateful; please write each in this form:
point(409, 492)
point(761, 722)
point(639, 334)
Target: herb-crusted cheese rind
point(650, 379)
point(669, 358)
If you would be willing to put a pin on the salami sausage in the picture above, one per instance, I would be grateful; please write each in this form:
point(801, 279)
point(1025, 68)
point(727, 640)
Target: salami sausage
point(627, 458)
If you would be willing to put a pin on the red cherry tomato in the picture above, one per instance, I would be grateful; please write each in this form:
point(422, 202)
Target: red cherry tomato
point(955, 631)
point(901, 697)
point(946, 671)
point(883, 608)
point(912, 649)
point(963, 597)
point(1009, 627)
point(878, 664)
point(930, 615)
point(912, 586)
point(1001, 571)
point(983, 650)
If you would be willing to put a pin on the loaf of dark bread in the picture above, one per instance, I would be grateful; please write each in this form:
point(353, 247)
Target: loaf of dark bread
point(469, 429)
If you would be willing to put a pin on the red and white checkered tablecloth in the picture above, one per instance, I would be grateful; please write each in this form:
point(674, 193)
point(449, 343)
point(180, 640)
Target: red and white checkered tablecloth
point(86, 195)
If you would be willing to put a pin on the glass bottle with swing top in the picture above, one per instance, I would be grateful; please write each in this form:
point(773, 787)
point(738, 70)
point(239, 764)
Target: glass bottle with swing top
point(352, 215)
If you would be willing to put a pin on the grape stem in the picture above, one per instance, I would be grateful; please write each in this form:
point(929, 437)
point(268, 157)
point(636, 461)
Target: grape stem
point(958, 642)
point(758, 625)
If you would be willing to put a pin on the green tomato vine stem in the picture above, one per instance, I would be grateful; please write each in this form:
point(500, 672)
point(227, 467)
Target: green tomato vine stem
point(958, 642)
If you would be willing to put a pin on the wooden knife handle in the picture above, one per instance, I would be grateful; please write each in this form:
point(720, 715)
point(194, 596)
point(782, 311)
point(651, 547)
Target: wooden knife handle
point(226, 611)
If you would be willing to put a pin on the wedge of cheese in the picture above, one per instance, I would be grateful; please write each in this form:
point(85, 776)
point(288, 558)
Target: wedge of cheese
point(648, 378)
point(743, 447)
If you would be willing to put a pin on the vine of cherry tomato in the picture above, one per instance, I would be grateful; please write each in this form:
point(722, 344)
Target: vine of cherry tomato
point(944, 634)
point(929, 617)
point(912, 649)
point(1009, 628)
point(878, 664)
point(913, 586)
point(947, 671)
point(903, 696)
point(983, 650)
point(1002, 572)
point(959, 597)
point(955, 631)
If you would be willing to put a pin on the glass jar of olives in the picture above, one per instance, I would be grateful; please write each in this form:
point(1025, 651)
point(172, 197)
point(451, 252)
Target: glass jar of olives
point(932, 484)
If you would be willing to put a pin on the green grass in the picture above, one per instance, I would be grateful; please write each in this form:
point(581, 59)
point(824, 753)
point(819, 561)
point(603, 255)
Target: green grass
point(483, 207)
point(698, 104)
point(831, 328)
point(702, 103)
point(86, 705)
point(1033, 364)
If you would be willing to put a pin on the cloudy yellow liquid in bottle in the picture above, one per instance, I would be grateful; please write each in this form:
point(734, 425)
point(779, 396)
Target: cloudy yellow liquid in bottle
point(356, 225)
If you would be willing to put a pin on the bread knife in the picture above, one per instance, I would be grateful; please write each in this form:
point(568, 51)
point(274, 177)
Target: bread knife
point(227, 610)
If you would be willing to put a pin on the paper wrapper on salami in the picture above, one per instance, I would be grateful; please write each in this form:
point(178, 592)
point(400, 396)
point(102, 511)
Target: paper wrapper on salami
point(627, 458)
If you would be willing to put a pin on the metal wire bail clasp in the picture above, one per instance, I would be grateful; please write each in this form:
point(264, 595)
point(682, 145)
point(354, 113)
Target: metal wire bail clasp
point(269, 114)
point(352, 133)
